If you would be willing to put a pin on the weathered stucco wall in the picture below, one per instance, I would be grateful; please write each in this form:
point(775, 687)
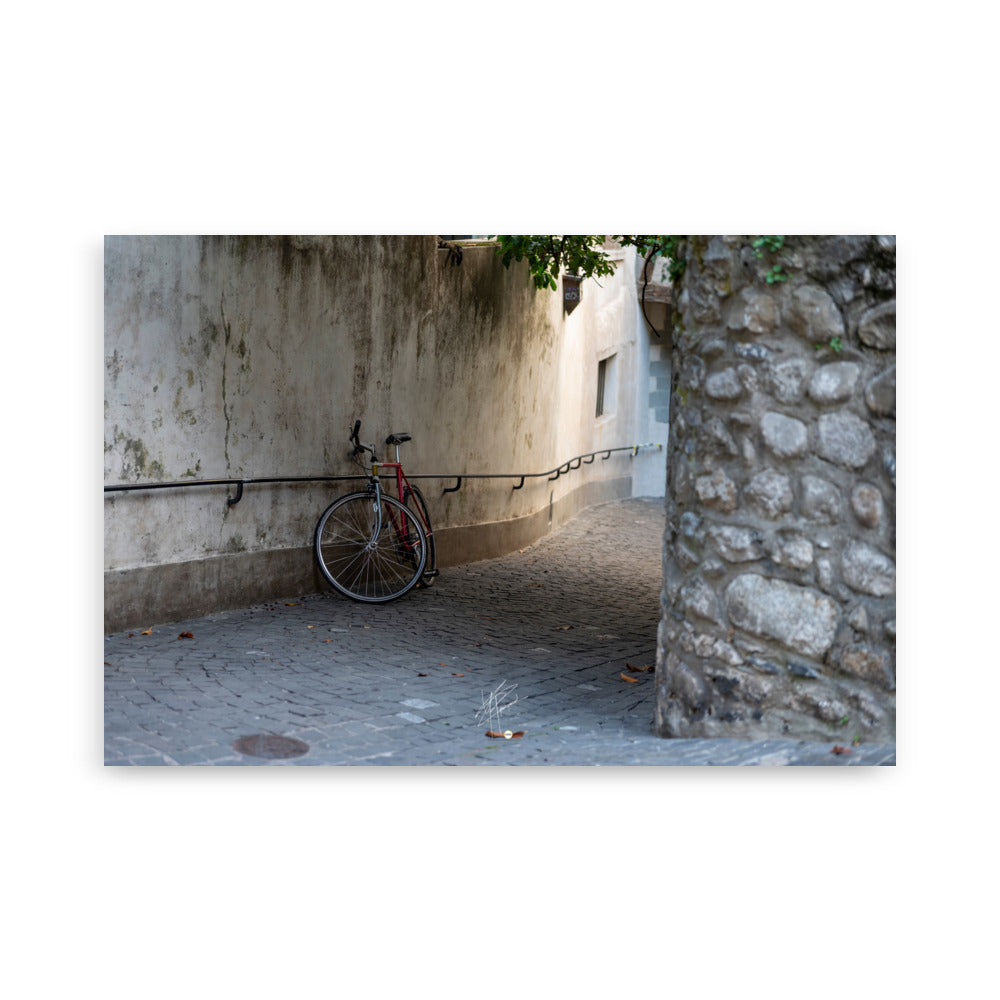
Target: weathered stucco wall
point(250, 357)
point(779, 555)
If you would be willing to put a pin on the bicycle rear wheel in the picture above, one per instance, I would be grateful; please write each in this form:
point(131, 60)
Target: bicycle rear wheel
point(414, 500)
point(361, 563)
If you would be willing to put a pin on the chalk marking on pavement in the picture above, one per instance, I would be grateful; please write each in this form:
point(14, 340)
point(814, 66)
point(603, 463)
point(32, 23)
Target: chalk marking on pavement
point(419, 703)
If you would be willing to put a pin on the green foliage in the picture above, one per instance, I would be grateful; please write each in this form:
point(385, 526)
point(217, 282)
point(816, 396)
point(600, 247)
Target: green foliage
point(547, 256)
point(770, 243)
point(836, 345)
point(671, 247)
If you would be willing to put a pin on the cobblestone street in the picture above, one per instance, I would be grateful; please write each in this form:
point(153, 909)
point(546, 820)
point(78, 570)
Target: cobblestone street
point(567, 626)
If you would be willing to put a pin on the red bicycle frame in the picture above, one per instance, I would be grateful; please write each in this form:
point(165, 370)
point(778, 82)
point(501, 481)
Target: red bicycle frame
point(402, 487)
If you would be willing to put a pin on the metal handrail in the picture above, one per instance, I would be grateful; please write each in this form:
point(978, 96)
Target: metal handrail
point(560, 470)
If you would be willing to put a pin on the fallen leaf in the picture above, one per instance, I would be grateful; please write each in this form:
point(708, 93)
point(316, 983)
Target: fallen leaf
point(639, 670)
point(457, 675)
point(293, 604)
point(310, 626)
point(148, 631)
point(185, 635)
point(106, 663)
point(631, 680)
point(563, 628)
point(839, 749)
point(131, 634)
point(423, 675)
point(503, 736)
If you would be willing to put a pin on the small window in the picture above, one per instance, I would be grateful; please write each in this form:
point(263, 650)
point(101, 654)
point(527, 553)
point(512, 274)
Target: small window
point(607, 388)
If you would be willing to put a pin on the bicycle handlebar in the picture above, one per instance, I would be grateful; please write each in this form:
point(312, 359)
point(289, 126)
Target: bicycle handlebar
point(359, 447)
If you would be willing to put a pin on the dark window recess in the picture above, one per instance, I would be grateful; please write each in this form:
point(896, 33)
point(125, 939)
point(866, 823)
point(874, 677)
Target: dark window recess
point(602, 375)
point(607, 386)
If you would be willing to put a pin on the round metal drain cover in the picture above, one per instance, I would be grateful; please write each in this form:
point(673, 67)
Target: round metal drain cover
point(272, 747)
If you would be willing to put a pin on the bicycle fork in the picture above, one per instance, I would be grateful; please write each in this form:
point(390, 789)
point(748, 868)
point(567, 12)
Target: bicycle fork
point(375, 489)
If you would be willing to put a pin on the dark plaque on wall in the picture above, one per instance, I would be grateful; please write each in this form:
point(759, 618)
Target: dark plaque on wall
point(571, 291)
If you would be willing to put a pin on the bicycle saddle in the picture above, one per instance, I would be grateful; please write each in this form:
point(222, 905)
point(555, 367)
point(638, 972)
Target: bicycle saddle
point(394, 439)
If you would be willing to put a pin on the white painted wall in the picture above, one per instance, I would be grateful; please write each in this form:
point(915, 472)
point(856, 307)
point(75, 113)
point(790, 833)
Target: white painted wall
point(251, 357)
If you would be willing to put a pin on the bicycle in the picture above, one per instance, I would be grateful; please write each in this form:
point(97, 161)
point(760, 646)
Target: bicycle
point(372, 546)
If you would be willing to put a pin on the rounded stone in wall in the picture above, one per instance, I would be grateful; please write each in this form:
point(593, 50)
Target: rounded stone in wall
point(786, 380)
point(877, 327)
point(800, 618)
point(692, 373)
point(725, 385)
point(844, 439)
point(869, 571)
point(867, 663)
point(705, 309)
point(785, 436)
point(814, 315)
point(880, 393)
point(755, 312)
point(858, 619)
point(867, 504)
point(736, 543)
point(751, 352)
point(700, 600)
point(820, 500)
point(834, 383)
point(716, 490)
point(794, 551)
point(771, 493)
point(717, 438)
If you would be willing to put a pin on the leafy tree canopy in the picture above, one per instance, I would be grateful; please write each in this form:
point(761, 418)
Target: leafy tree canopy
point(548, 256)
point(586, 256)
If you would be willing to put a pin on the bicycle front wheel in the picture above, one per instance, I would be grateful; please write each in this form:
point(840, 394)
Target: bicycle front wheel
point(370, 548)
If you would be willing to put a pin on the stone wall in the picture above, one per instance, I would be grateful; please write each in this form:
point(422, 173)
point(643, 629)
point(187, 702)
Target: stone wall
point(779, 551)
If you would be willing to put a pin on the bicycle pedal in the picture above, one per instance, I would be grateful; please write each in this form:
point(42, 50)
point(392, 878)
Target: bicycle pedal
point(431, 572)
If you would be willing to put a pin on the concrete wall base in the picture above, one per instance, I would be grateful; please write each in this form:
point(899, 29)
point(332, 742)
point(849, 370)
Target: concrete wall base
point(150, 595)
